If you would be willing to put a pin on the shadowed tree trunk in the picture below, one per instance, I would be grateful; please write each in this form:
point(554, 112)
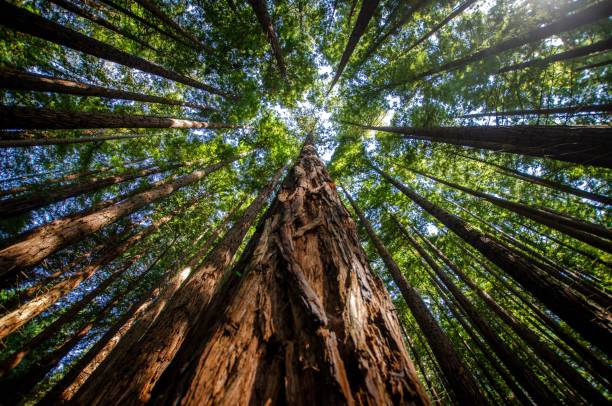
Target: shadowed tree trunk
point(594, 65)
point(45, 240)
point(24, 21)
point(132, 382)
point(591, 108)
point(261, 11)
point(66, 141)
point(368, 7)
point(40, 118)
point(586, 145)
point(588, 320)
point(20, 80)
point(311, 322)
point(461, 382)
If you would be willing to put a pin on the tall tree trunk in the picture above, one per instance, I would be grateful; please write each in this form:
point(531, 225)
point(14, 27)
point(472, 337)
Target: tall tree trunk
point(588, 320)
point(47, 239)
point(66, 141)
point(551, 184)
point(20, 80)
point(599, 46)
point(589, 15)
point(312, 323)
point(590, 108)
point(260, 8)
point(40, 118)
point(594, 65)
point(368, 7)
point(581, 230)
point(586, 145)
point(132, 382)
point(24, 21)
point(67, 5)
point(461, 382)
point(572, 377)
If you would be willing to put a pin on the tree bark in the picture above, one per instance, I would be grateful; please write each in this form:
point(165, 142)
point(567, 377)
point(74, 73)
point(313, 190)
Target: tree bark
point(132, 382)
point(581, 230)
point(261, 11)
point(368, 7)
point(571, 376)
point(592, 108)
point(19, 80)
point(586, 145)
point(461, 382)
point(599, 46)
point(100, 21)
point(41, 118)
point(47, 239)
point(67, 141)
point(24, 21)
point(588, 320)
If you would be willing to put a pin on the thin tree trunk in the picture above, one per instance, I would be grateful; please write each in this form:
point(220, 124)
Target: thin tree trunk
point(68, 141)
point(422, 369)
point(456, 372)
point(101, 22)
point(589, 15)
point(571, 376)
point(591, 108)
point(20, 80)
point(132, 382)
point(307, 312)
point(547, 182)
point(41, 118)
point(261, 11)
point(47, 239)
point(534, 386)
point(600, 46)
point(581, 230)
point(594, 65)
point(588, 320)
point(24, 21)
point(368, 7)
point(586, 145)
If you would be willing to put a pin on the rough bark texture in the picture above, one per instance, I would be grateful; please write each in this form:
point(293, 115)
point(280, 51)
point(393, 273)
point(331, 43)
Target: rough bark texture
point(588, 320)
point(464, 388)
point(586, 145)
point(308, 321)
point(133, 381)
point(40, 118)
point(19, 80)
point(562, 56)
point(24, 21)
point(363, 19)
point(261, 11)
point(47, 239)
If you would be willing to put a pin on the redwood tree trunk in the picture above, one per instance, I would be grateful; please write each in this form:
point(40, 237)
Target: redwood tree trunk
point(261, 11)
point(591, 108)
point(65, 141)
point(310, 322)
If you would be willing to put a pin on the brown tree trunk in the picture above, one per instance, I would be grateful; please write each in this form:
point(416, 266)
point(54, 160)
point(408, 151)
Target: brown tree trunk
point(132, 382)
point(461, 382)
point(588, 320)
point(261, 11)
point(24, 21)
point(594, 65)
point(585, 145)
point(600, 46)
point(47, 239)
point(581, 230)
point(19, 80)
point(101, 22)
point(40, 118)
point(66, 141)
point(310, 322)
point(547, 182)
point(572, 377)
point(591, 108)
point(368, 7)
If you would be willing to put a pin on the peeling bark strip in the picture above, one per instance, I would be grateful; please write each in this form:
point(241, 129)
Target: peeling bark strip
point(589, 320)
point(464, 388)
point(132, 382)
point(307, 320)
point(29, 118)
point(586, 145)
point(19, 80)
point(24, 21)
point(261, 11)
point(47, 239)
